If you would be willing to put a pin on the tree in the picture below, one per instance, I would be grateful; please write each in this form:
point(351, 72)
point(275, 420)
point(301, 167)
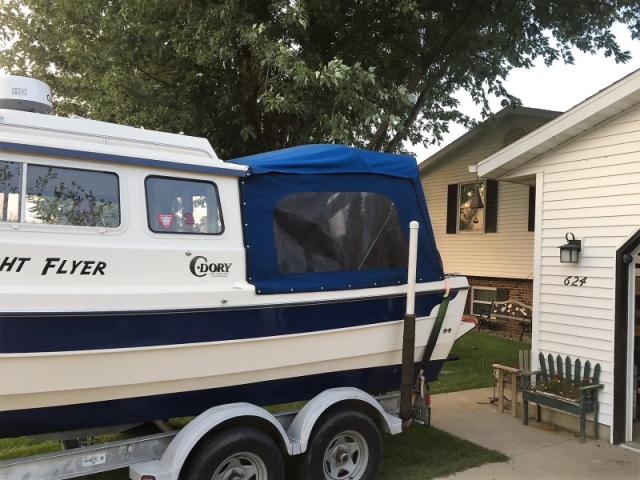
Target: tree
point(259, 75)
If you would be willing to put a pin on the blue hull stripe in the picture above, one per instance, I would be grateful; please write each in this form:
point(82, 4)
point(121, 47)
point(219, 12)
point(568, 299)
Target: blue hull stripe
point(54, 332)
point(142, 409)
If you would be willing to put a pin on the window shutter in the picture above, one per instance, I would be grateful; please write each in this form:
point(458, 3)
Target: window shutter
point(491, 207)
point(532, 209)
point(452, 208)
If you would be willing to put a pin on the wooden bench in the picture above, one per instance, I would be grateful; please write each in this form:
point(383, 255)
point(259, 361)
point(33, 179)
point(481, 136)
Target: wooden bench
point(506, 375)
point(505, 311)
point(554, 376)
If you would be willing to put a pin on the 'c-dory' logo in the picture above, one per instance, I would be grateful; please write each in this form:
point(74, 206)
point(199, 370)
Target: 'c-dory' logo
point(200, 266)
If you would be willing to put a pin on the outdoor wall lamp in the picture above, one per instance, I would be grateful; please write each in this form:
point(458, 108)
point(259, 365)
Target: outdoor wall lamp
point(569, 252)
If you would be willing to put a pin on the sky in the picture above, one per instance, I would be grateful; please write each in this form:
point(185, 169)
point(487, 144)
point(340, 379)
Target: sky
point(558, 87)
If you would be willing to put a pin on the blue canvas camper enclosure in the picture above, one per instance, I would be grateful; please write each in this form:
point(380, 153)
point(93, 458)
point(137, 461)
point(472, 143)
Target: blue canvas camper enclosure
point(339, 215)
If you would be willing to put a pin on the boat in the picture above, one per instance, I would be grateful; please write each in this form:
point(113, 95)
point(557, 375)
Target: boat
point(143, 278)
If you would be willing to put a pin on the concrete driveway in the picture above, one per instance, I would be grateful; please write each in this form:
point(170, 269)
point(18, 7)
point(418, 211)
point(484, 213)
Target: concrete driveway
point(536, 452)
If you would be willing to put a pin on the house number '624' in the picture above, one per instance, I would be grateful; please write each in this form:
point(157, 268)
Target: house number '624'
point(575, 281)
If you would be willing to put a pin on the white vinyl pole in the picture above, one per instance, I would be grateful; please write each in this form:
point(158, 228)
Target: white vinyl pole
point(413, 261)
point(409, 332)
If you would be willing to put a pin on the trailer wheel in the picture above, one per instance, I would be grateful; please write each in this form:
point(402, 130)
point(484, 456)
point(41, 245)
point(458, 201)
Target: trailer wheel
point(346, 445)
point(236, 452)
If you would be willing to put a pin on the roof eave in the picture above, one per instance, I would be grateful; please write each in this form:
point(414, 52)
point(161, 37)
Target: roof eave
point(595, 110)
point(471, 134)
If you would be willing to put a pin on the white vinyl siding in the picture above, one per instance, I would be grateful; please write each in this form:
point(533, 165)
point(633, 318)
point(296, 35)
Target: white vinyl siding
point(591, 189)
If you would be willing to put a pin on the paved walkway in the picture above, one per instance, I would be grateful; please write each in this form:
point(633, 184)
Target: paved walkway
point(536, 452)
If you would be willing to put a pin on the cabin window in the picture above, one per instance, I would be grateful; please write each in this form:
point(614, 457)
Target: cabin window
point(332, 231)
point(58, 196)
point(177, 205)
point(10, 188)
point(68, 196)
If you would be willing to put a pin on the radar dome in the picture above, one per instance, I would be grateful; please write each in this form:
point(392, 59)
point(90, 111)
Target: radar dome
point(25, 94)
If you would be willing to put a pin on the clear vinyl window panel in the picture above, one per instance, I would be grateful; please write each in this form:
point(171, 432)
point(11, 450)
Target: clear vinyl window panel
point(334, 231)
point(177, 205)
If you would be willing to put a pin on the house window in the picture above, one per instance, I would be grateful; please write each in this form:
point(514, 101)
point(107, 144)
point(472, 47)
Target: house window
point(176, 205)
point(471, 207)
point(338, 231)
point(462, 216)
point(483, 297)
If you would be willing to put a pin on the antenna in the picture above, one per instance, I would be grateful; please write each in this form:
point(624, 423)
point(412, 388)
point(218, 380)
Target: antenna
point(25, 94)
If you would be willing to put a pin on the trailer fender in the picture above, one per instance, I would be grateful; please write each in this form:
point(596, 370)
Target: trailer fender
point(174, 457)
point(301, 427)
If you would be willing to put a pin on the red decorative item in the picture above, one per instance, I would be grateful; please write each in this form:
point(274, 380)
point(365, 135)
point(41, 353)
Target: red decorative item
point(166, 220)
point(188, 219)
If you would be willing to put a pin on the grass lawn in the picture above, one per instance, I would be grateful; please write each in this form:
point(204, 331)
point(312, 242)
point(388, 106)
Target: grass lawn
point(478, 352)
point(422, 453)
point(417, 454)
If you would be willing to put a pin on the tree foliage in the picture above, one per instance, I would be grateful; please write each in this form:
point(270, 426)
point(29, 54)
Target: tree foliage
point(259, 75)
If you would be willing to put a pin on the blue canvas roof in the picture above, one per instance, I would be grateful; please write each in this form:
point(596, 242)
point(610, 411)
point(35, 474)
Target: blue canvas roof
point(328, 159)
point(330, 168)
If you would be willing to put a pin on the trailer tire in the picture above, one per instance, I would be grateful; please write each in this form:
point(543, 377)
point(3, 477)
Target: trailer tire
point(248, 452)
point(347, 444)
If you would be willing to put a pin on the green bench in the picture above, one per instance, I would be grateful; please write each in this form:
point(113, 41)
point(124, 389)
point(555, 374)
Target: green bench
point(558, 389)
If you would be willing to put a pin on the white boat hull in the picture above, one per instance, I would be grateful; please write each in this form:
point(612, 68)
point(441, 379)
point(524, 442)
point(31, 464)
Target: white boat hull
point(65, 381)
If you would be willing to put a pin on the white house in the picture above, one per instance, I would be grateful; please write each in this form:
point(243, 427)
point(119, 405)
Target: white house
point(585, 165)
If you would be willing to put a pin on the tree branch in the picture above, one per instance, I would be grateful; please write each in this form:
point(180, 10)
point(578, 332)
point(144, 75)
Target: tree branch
point(378, 137)
point(415, 111)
